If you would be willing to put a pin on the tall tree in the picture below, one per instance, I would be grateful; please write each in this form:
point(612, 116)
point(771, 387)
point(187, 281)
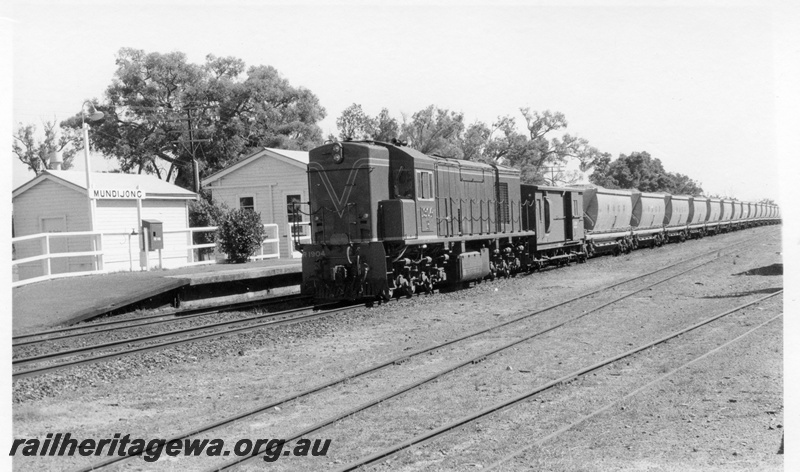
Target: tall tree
point(540, 156)
point(386, 127)
point(642, 172)
point(683, 185)
point(162, 109)
point(355, 124)
point(36, 154)
point(434, 131)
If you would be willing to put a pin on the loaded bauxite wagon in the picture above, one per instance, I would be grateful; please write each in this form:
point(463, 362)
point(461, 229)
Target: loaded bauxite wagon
point(698, 216)
point(714, 215)
point(676, 218)
point(647, 219)
point(607, 219)
point(747, 214)
point(736, 219)
point(726, 218)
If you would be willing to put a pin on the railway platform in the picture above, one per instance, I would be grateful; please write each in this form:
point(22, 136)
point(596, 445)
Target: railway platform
point(69, 300)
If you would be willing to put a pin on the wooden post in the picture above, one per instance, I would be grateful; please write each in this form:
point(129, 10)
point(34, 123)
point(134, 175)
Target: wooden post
point(47, 251)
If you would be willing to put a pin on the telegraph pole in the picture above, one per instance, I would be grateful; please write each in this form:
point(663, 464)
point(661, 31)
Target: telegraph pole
point(192, 148)
point(553, 170)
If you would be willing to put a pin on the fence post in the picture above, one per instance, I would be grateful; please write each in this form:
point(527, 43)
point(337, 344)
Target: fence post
point(190, 242)
point(100, 261)
point(47, 251)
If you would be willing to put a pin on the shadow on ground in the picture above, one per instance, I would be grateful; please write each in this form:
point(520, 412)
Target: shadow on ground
point(774, 269)
point(763, 291)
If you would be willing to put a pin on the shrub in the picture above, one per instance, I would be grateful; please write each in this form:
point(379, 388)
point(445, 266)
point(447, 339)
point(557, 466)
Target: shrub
point(205, 212)
point(240, 234)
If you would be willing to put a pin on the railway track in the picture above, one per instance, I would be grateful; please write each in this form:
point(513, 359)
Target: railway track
point(539, 442)
point(258, 322)
point(400, 359)
point(144, 321)
point(44, 363)
point(471, 418)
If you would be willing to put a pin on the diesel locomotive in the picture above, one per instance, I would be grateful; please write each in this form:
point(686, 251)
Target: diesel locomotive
point(387, 220)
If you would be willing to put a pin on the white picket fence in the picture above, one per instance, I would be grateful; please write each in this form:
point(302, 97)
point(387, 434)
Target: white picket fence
point(94, 252)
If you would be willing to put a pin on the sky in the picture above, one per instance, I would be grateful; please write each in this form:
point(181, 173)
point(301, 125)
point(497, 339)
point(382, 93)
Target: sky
point(694, 86)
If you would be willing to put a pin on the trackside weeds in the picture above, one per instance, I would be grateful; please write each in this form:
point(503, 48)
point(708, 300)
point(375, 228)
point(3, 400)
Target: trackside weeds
point(151, 451)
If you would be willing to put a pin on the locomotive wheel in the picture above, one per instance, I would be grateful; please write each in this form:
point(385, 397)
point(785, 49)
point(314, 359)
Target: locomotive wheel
point(387, 294)
point(409, 290)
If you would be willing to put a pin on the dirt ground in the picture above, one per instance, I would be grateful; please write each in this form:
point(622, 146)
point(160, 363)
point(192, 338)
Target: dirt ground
point(724, 411)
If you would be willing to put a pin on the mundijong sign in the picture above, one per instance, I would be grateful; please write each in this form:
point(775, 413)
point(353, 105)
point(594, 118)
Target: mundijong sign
point(118, 193)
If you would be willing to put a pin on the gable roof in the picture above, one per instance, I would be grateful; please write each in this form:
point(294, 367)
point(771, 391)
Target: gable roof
point(298, 159)
point(76, 180)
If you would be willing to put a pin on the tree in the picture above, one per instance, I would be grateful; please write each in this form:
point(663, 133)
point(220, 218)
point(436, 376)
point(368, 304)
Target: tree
point(434, 131)
point(536, 153)
point(683, 185)
point(36, 154)
point(162, 109)
point(355, 124)
point(640, 171)
point(386, 127)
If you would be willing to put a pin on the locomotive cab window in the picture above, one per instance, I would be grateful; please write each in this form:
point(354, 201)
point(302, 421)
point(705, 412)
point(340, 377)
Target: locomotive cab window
point(424, 185)
point(403, 183)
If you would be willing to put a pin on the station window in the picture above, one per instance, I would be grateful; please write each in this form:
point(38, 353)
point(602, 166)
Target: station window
point(293, 215)
point(247, 203)
point(575, 209)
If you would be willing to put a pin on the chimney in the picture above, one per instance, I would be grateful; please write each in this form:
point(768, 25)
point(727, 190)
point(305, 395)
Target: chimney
point(56, 160)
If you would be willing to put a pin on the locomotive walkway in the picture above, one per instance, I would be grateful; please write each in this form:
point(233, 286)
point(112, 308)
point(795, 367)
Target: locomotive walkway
point(69, 300)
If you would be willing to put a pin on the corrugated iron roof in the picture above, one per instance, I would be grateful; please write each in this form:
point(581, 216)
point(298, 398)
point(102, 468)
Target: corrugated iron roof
point(148, 183)
point(299, 156)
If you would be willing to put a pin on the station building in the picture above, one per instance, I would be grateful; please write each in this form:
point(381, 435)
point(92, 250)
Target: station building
point(58, 201)
point(271, 182)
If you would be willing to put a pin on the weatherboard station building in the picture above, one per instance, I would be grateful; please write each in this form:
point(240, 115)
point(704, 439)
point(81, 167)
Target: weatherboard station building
point(58, 201)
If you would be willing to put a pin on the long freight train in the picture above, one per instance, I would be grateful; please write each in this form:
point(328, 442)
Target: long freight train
point(387, 220)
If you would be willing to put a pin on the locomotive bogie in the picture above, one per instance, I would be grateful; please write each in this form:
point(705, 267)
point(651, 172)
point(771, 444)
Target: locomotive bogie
point(347, 271)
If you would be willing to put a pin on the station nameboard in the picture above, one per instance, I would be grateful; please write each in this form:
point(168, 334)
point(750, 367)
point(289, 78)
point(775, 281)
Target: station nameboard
point(118, 193)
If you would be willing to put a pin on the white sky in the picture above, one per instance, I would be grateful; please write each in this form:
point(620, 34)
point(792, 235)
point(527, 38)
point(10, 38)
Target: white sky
point(693, 86)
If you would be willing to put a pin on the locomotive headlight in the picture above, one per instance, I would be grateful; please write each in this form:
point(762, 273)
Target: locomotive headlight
point(336, 150)
point(365, 216)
